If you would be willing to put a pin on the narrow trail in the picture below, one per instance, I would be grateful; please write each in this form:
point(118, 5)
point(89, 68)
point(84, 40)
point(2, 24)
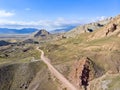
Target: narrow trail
point(57, 74)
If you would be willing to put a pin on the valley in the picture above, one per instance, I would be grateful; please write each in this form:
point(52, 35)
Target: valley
point(84, 58)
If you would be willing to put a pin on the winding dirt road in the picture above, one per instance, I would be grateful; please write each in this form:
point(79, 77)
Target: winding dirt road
point(58, 75)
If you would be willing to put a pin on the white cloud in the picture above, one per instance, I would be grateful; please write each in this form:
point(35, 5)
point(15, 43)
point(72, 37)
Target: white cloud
point(47, 24)
point(4, 13)
point(59, 23)
point(101, 18)
point(98, 18)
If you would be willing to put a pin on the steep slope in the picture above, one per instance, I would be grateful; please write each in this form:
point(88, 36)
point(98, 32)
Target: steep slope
point(55, 72)
point(83, 71)
point(17, 76)
point(112, 28)
point(42, 35)
point(103, 51)
point(20, 76)
point(87, 28)
point(20, 67)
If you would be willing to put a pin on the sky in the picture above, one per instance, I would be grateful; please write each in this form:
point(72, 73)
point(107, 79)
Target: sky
point(54, 14)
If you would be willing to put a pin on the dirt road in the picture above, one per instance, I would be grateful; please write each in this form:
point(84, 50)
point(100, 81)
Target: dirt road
point(58, 75)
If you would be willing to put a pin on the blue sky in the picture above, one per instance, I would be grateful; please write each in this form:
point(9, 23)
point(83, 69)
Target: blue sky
point(52, 14)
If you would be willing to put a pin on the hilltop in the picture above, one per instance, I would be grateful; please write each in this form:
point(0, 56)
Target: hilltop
point(41, 33)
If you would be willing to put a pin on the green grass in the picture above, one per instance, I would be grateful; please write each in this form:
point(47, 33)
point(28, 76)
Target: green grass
point(104, 40)
point(18, 55)
point(115, 84)
point(71, 49)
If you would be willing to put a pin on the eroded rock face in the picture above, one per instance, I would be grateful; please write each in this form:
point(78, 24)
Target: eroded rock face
point(85, 75)
point(87, 28)
point(111, 28)
point(83, 71)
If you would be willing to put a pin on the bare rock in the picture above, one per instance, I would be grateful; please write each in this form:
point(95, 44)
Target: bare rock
point(83, 71)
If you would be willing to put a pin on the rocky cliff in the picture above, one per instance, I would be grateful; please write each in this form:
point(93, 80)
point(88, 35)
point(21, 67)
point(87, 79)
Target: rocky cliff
point(84, 70)
point(112, 28)
point(87, 27)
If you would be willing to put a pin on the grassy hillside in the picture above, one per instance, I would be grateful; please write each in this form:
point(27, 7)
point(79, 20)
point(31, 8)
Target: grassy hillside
point(21, 60)
point(20, 65)
point(18, 53)
point(19, 76)
point(104, 52)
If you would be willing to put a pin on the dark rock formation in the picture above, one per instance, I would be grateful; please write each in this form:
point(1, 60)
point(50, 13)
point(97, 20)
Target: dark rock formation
point(85, 75)
point(3, 43)
point(83, 71)
point(112, 28)
point(87, 28)
point(90, 30)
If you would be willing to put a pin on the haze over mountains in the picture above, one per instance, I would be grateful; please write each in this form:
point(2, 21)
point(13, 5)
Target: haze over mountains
point(17, 31)
point(32, 30)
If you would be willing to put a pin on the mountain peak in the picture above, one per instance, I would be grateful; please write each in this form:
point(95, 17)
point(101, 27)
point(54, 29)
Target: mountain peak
point(41, 33)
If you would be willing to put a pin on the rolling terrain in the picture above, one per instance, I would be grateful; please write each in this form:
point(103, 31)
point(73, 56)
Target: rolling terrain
point(103, 50)
point(85, 58)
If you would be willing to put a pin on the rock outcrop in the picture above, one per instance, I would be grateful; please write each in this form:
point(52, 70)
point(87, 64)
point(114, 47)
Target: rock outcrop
point(112, 28)
point(83, 71)
point(87, 28)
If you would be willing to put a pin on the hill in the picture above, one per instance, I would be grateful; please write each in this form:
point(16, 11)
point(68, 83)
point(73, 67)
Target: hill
point(102, 51)
point(20, 65)
point(4, 43)
point(112, 28)
point(87, 27)
point(63, 30)
point(88, 60)
point(42, 33)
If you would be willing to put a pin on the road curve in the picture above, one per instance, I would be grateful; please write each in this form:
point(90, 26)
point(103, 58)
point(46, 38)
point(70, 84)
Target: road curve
point(57, 74)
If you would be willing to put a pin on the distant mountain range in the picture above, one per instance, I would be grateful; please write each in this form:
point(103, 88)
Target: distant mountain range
point(17, 31)
point(31, 30)
point(62, 30)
